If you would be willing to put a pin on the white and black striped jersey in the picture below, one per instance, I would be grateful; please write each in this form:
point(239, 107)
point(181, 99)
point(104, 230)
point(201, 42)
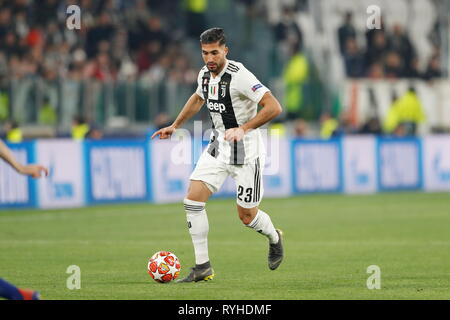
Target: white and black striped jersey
point(232, 99)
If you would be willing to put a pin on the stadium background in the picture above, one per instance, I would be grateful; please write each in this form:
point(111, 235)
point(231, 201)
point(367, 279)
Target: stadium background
point(365, 111)
point(132, 64)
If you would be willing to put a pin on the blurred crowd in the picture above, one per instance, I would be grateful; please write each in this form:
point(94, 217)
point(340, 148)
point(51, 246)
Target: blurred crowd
point(403, 119)
point(388, 53)
point(153, 40)
point(118, 39)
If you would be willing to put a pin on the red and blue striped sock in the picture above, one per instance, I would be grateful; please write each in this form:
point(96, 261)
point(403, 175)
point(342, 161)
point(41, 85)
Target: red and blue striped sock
point(11, 292)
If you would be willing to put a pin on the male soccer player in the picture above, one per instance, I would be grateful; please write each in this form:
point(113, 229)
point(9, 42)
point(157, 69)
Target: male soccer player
point(232, 95)
point(8, 290)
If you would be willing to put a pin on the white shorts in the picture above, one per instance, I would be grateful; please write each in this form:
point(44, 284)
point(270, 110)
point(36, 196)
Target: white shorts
point(248, 178)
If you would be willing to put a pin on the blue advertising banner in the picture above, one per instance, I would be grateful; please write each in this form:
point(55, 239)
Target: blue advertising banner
point(64, 186)
point(277, 172)
point(359, 161)
point(316, 166)
point(17, 190)
point(112, 171)
point(436, 163)
point(399, 164)
point(116, 171)
point(171, 164)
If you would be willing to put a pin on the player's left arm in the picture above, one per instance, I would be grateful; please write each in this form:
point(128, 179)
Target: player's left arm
point(271, 108)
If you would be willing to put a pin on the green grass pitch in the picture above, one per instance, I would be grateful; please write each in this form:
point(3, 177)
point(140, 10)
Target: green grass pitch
point(330, 240)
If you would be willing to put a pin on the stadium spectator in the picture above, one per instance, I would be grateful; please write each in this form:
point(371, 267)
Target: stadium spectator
point(376, 71)
point(294, 75)
point(19, 6)
point(286, 33)
point(94, 133)
point(44, 11)
point(11, 46)
point(353, 59)
point(376, 51)
point(287, 29)
point(406, 111)
point(400, 131)
point(389, 53)
point(413, 71)
point(328, 125)
point(301, 128)
point(136, 18)
point(372, 126)
point(79, 128)
point(4, 100)
point(399, 43)
point(128, 70)
point(47, 113)
point(277, 128)
point(345, 125)
point(346, 32)
point(195, 17)
point(371, 34)
point(13, 132)
point(393, 65)
point(433, 69)
point(5, 22)
point(104, 69)
point(155, 32)
point(103, 31)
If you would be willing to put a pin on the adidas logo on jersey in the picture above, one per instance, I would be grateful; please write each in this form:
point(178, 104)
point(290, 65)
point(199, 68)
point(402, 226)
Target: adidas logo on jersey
point(216, 107)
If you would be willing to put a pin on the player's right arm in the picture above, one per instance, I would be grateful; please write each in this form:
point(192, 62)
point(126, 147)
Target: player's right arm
point(33, 170)
point(192, 106)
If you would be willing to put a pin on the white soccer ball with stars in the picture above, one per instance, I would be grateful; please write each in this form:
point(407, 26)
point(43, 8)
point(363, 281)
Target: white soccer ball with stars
point(164, 266)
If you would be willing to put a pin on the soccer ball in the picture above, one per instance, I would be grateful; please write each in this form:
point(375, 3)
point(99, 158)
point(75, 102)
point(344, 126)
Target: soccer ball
point(164, 266)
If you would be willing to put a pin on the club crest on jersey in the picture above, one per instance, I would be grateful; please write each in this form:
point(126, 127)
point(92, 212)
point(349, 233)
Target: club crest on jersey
point(223, 90)
point(214, 91)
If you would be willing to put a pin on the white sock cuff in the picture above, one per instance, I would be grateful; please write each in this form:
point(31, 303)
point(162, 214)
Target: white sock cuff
point(263, 224)
point(191, 205)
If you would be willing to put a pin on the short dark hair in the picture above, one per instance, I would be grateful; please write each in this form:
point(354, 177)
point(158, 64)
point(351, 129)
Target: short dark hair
point(213, 35)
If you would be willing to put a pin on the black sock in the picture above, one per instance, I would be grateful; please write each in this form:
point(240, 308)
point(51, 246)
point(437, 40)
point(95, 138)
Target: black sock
point(205, 265)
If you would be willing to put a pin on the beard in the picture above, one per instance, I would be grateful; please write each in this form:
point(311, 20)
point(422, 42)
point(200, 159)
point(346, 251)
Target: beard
point(213, 67)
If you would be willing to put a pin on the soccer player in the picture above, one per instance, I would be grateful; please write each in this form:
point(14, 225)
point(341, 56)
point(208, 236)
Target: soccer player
point(8, 290)
point(232, 94)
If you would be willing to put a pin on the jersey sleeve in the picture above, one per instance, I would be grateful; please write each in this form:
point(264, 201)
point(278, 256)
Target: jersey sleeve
point(249, 86)
point(199, 90)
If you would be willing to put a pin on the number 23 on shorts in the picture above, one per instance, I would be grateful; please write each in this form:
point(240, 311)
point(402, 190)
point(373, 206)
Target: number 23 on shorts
point(248, 194)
